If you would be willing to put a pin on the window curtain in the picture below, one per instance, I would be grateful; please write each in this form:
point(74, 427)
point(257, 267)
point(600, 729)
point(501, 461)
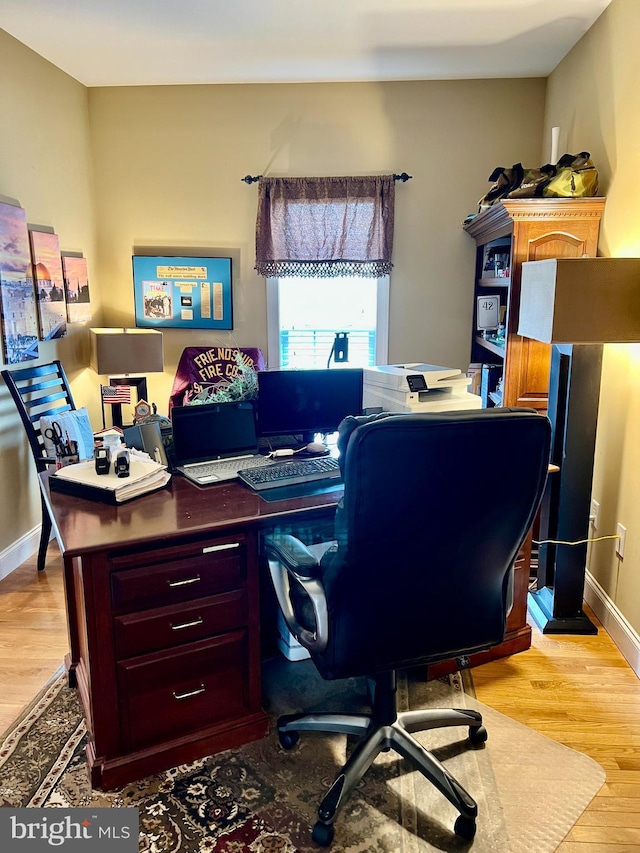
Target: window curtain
point(319, 227)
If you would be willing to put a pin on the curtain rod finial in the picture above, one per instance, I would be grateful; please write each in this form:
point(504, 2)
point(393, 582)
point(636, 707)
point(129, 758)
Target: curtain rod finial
point(249, 179)
point(403, 177)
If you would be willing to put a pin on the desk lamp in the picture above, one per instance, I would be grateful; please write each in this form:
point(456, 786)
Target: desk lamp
point(577, 305)
point(119, 353)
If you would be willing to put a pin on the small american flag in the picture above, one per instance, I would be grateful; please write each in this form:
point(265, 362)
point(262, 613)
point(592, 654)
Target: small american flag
point(113, 394)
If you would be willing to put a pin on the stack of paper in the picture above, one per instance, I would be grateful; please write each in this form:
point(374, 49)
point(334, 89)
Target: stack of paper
point(81, 480)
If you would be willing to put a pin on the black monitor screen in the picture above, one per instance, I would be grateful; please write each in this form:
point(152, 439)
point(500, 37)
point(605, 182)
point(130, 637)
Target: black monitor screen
point(307, 401)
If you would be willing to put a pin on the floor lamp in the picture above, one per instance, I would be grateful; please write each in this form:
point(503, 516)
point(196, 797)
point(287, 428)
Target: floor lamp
point(124, 354)
point(578, 305)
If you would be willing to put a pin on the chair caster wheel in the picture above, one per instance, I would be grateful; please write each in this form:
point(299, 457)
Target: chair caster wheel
point(323, 833)
point(478, 735)
point(465, 827)
point(288, 739)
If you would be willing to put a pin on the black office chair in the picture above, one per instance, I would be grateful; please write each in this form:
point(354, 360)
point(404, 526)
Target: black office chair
point(435, 510)
point(39, 391)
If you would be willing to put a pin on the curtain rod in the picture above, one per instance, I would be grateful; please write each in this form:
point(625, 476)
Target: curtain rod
point(253, 179)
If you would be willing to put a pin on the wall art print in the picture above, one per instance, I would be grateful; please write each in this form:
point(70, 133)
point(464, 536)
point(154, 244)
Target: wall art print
point(49, 284)
point(76, 288)
point(17, 294)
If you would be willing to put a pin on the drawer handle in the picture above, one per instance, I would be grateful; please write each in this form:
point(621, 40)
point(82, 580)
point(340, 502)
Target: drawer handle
point(195, 622)
point(195, 692)
point(211, 548)
point(184, 582)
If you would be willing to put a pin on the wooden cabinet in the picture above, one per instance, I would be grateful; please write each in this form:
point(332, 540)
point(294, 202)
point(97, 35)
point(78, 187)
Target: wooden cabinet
point(170, 659)
point(163, 603)
point(516, 369)
point(506, 235)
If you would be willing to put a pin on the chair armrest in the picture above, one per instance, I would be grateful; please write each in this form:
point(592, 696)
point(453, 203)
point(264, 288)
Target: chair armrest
point(288, 557)
point(293, 553)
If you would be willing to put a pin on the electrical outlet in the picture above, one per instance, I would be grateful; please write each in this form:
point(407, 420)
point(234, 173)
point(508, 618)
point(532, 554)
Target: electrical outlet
point(621, 533)
point(595, 513)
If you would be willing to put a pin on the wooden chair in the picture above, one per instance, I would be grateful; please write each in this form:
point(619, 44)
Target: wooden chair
point(39, 391)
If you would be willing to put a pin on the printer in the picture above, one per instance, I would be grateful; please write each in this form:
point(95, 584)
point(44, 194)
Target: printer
point(417, 388)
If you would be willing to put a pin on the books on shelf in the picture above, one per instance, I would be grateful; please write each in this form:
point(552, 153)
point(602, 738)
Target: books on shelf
point(81, 480)
point(491, 375)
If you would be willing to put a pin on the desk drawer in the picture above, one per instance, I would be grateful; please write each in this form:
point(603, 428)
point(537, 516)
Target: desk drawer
point(219, 568)
point(166, 695)
point(164, 627)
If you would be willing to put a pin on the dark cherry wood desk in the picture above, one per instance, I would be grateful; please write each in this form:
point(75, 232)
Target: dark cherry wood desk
point(162, 600)
point(163, 604)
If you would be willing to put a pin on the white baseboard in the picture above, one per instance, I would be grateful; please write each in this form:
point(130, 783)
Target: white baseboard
point(19, 551)
point(615, 624)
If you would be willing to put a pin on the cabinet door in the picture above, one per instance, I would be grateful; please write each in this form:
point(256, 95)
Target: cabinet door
point(526, 381)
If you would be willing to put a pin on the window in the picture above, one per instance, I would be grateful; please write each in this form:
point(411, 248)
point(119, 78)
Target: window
point(303, 315)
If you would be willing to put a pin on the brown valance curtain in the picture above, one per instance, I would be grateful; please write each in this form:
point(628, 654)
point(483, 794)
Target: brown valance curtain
point(318, 227)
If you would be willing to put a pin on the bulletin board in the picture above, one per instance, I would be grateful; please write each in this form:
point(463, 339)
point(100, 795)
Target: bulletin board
point(182, 292)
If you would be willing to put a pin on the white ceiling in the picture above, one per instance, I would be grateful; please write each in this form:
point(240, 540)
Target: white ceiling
point(150, 42)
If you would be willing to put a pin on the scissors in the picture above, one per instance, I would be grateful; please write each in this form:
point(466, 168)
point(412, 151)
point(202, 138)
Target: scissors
point(55, 434)
point(63, 448)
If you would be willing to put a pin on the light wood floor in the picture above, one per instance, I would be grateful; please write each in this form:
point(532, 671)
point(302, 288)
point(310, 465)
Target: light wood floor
point(33, 633)
point(577, 690)
point(580, 691)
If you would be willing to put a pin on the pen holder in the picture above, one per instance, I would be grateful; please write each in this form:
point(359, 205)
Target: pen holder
point(68, 455)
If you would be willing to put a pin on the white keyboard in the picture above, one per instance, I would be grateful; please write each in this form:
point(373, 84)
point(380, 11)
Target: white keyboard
point(221, 469)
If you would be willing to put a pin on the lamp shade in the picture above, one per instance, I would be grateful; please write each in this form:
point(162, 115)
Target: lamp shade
point(581, 300)
point(122, 351)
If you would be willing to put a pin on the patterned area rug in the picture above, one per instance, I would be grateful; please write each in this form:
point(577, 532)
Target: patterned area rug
point(261, 799)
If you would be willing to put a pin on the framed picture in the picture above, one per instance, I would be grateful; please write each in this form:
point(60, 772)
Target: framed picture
point(17, 296)
point(49, 283)
point(76, 288)
point(182, 293)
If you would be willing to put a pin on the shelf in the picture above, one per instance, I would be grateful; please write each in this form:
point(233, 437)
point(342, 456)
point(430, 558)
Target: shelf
point(494, 282)
point(493, 348)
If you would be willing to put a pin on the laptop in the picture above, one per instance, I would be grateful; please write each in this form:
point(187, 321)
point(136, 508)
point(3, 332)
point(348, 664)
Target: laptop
point(213, 441)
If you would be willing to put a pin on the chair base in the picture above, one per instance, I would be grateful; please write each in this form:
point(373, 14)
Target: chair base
point(380, 731)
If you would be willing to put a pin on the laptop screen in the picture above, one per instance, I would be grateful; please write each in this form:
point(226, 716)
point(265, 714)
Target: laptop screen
point(213, 431)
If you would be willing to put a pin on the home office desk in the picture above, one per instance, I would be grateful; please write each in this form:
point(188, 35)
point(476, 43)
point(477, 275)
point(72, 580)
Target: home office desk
point(162, 598)
point(163, 606)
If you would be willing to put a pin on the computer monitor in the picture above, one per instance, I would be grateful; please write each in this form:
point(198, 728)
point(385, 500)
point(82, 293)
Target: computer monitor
point(305, 402)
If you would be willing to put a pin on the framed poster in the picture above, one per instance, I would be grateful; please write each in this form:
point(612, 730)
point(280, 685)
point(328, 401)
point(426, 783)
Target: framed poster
point(49, 283)
point(182, 293)
point(76, 288)
point(17, 296)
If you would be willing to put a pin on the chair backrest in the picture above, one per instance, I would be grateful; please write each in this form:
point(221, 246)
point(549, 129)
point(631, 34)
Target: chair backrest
point(39, 391)
point(435, 510)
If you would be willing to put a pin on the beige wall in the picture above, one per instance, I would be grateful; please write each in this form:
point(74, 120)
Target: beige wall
point(45, 165)
point(593, 97)
point(169, 163)
point(161, 168)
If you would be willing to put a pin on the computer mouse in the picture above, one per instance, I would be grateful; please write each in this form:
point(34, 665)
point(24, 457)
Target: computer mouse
point(316, 447)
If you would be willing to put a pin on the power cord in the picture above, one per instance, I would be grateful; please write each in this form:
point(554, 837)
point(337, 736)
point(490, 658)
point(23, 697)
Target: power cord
point(577, 542)
point(313, 448)
point(592, 519)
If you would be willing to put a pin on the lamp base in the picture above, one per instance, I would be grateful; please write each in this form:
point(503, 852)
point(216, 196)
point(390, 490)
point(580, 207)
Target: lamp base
point(540, 606)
